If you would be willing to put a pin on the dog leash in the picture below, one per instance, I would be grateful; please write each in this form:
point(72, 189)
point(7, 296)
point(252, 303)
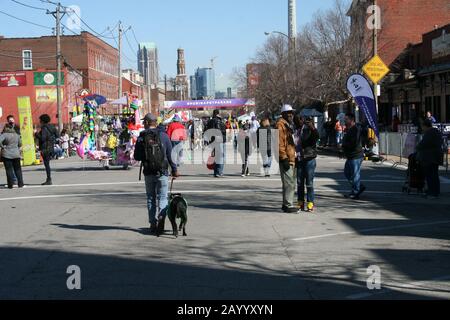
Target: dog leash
point(171, 185)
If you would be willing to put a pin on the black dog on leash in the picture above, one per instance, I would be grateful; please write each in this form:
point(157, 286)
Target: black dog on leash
point(178, 208)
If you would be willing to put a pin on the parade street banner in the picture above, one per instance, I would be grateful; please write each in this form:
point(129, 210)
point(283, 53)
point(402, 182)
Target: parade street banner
point(362, 92)
point(209, 104)
point(26, 131)
point(13, 79)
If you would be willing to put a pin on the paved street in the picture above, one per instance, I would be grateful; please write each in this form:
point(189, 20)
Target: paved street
point(239, 246)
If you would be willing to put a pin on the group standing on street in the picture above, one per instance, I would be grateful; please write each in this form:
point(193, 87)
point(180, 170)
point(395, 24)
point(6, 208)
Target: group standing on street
point(160, 151)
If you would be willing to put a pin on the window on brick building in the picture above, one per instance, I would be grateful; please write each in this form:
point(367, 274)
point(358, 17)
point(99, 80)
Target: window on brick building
point(27, 59)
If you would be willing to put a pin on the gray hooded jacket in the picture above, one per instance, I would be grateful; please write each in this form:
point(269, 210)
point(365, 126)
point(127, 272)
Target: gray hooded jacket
point(10, 144)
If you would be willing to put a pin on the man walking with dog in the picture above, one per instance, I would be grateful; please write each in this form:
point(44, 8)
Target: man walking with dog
point(154, 150)
point(285, 127)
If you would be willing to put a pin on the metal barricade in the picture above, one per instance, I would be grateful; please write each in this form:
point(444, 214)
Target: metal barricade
point(402, 145)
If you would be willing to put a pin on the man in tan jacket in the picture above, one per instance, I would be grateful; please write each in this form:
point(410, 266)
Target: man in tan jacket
point(285, 128)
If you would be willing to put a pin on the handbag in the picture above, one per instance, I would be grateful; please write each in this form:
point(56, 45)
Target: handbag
point(211, 163)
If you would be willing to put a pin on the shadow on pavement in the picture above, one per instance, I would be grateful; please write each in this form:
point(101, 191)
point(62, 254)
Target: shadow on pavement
point(41, 274)
point(141, 231)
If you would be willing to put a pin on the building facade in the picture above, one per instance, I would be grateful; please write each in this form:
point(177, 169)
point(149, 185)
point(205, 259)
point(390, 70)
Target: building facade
point(88, 63)
point(421, 83)
point(402, 22)
point(148, 64)
point(205, 84)
point(182, 79)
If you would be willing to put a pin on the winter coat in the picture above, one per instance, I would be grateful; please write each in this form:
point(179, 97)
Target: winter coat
point(47, 138)
point(307, 143)
point(429, 150)
point(286, 141)
point(10, 144)
point(176, 132)
point(352, 143)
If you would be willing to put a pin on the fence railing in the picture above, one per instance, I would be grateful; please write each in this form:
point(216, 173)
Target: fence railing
point(402, 145)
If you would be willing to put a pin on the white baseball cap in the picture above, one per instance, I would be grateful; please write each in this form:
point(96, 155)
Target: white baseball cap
point(287, 108)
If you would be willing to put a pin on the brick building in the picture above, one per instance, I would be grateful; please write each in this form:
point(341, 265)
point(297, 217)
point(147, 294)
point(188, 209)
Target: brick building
point(89, 63)
point(421, 81)
point(402, 22)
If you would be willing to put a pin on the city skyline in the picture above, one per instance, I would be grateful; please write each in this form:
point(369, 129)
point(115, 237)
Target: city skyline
point(217, 23)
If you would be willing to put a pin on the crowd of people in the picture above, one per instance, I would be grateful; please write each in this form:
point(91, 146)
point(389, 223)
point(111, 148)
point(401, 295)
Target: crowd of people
point(160, 147)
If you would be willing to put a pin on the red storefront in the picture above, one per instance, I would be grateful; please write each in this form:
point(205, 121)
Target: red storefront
point(40, 86)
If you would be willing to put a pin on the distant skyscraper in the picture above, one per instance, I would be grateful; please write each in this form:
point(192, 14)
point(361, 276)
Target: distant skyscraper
point(205, 83)
point(148, 62)
point(182, 81)
point(193, 84)
point(229, 93)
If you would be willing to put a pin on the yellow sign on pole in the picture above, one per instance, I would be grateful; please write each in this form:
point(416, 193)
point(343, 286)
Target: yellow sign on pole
point(376, 69)
point(26, 131)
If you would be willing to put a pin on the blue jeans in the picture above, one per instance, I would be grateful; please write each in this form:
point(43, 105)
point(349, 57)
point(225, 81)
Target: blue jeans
point(157, 188)
point(220, 160)
point(353, 174)
point(177, 148)
point(305, 179)
point(339, 137)
point(267, 161)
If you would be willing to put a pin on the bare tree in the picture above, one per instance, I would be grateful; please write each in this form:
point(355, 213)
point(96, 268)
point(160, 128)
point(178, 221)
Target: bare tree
point(328, 50)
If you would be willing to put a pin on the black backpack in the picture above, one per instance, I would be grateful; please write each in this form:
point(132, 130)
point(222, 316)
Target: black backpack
point(155, 156)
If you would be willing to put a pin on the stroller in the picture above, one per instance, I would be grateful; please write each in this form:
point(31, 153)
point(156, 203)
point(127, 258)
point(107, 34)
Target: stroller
point(415, 178)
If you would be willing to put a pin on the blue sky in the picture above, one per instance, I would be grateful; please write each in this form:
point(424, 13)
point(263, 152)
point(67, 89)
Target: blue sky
point(231, 30)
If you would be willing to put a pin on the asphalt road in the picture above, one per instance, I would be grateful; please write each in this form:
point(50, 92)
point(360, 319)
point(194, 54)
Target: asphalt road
point(239, 245)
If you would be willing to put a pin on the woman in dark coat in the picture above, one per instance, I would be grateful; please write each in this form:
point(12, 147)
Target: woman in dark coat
point(47, 138)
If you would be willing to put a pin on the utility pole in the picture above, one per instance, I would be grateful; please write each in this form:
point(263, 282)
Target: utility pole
point(375, 47)
point(119, 74)
point(58, 14)
point(376, 148)
point(292, 12)
point(165, 84)
point(292, 35)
